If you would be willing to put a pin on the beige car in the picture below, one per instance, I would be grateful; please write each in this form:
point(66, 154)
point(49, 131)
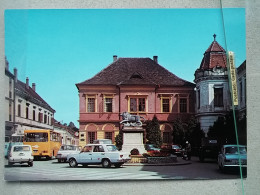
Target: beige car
point(20, 154)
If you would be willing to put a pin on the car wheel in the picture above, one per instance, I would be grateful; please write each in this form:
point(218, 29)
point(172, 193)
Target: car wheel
point(59, 160)
point(106, 163)
point(10, 164)
point(118, 165)
point(73, 163)
point(30, 164)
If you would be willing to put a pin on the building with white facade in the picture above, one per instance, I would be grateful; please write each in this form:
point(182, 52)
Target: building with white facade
point(9, 100)
point(69, 136)
point(212, 86)
point(241, 87)
point(31, 111)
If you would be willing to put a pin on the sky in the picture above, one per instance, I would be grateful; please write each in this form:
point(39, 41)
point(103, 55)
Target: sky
point(58, 48)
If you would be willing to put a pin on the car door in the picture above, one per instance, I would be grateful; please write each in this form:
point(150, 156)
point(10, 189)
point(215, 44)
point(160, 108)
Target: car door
point(86, 155)
point(98, 154)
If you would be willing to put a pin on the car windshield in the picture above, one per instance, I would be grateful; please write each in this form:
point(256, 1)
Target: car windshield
point(234, 150)
point(68, 147)
point(111, 148)
point(21, 148)
point(176, 147)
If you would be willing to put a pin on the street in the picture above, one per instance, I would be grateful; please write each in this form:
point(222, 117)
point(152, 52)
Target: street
point(44, 170)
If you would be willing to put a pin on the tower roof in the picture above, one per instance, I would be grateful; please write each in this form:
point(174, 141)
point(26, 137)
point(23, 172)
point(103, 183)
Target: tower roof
point(214, 56)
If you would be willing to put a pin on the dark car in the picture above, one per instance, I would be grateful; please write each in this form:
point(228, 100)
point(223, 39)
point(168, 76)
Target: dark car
point(177, 150)
point(209, 149)
point(151, 148)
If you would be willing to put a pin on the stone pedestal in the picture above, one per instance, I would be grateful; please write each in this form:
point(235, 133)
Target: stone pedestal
point(133, 138)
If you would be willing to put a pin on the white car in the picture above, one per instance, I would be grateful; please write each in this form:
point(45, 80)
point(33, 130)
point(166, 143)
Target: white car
point(232, 156)
point(94, 154)
point(21, 154)
point(65, 150)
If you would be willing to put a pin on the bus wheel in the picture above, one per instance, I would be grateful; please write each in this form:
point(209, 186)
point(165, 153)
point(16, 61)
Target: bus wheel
point(73, 162)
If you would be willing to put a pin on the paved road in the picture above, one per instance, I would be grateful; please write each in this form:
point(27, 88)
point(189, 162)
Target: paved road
point(51, 170)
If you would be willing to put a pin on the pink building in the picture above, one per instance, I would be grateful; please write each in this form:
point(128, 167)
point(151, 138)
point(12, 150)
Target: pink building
point(139, 86)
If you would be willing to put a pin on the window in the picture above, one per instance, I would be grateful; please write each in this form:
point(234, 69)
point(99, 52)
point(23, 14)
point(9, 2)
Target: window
point(27, 113)
point(108, 104)
point(198, 98)
point(19, 110)
point(91, 104)
point(34, 115)
point(40, 117)
point(165, 104)
point(241, 92)
point(137, 105)
point(183, 105)
point(218, 97)
point(166, 137)
point(45, 118)
point(10, 112)
point(91, 137)
point(108, 135)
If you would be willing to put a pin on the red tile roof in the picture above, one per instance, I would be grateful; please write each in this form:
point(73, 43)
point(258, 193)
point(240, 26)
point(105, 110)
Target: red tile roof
point(135, 71)
point(30, 95)
point(214, 56)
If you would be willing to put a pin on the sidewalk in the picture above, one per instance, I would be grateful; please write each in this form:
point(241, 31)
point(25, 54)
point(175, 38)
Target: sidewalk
point(180, 161)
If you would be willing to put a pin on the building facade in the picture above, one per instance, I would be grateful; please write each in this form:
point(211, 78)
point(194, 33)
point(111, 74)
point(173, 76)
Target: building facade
point(31, 111)
point(9, 101)
point(69, 136)
point(136, 85)
point(241, 88)
point(212, 86)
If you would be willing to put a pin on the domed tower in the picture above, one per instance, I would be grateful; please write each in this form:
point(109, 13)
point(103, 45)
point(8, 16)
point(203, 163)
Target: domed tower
point(212, 87)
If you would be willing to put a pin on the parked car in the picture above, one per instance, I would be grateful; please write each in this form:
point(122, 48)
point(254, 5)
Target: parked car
point(20, 154)
point(209, 149)
point(177, 150)
point(230, 154)
point(65, 150)
point(151, 148)
point(94, 154)
point(102, 141)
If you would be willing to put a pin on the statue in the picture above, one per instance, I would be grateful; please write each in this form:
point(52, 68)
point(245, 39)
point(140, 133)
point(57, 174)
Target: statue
point(131, 120)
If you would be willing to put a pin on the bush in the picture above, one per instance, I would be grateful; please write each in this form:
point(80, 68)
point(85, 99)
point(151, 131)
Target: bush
point(135, 151)
point(156, 154)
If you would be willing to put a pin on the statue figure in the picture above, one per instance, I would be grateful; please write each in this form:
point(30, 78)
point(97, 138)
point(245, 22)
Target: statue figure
point(131, 120)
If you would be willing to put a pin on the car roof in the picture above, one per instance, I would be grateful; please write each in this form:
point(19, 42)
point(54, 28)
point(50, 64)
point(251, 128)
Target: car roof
point(233, 145)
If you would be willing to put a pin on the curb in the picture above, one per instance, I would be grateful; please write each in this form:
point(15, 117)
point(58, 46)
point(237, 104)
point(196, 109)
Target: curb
point(164, 164)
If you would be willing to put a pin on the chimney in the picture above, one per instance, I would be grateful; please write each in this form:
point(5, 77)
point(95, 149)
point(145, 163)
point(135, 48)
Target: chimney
point(34, 86)
point(27, 83)
point(15, 75)
point(155, 59)
point(114, 58)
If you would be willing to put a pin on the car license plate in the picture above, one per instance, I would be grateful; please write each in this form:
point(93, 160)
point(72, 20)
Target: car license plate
point(21, 154)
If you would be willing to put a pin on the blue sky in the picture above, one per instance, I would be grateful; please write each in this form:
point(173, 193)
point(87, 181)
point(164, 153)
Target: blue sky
point(58, 48)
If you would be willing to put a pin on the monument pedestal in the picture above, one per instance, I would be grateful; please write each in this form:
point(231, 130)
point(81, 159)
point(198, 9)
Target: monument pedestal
point(133, 138)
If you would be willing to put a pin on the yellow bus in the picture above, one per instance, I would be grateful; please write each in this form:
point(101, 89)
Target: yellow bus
point(45, 143)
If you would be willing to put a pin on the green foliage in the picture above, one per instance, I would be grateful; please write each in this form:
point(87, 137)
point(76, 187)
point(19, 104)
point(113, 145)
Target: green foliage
point(119, 140)
point(224, 130)
point(187, 131)
point(153, 132)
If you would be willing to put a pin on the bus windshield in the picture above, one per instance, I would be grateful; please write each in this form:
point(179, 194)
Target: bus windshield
point(36, 137)
point(16, 138)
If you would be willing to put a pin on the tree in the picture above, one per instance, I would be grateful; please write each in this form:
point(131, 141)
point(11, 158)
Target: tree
point(178, 131)
point(119, 140)
point(153, 132)
point(195, 132)
point(223, 130)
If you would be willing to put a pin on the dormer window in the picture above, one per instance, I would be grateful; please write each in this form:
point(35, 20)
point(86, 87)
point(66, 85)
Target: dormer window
point(136, 75)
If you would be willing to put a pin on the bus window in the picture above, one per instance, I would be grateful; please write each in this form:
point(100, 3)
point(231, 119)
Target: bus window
point(36, 137)
point(17, 138)
point(7, 139)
